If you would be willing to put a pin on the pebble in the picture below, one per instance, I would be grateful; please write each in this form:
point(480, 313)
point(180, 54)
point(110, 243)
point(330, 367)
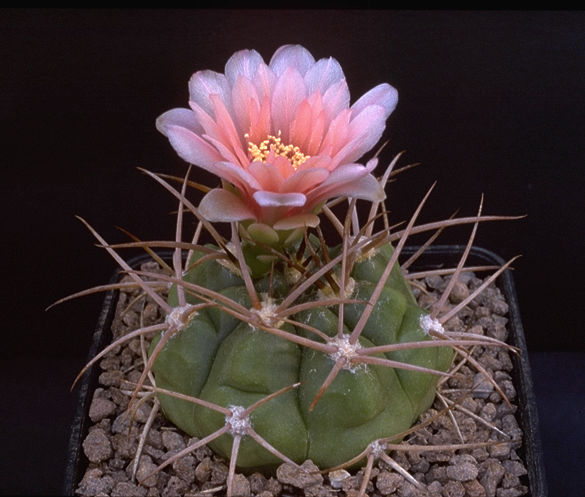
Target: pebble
point(257, 482)
point(185, 468)
point(172, 440)
point(128, 489)
point(515, 468)
point(463, 467)
point(303, 476)
point(491, 474)
point(240, 486)
point(203, 470)
point(459, 292)
point(453, 489)
point(97, 446)
point(387, 482)
point(482, 386)
point(175, 487)
point(474, 489)
point(145, 467)
point(101, 408)
point(337, 477)
point(110, 378)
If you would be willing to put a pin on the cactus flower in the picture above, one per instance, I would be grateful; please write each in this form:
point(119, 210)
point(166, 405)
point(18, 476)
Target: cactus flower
point(282, 135)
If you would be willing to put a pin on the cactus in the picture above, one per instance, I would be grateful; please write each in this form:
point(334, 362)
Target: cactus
point(279, 344)
point(224, 360)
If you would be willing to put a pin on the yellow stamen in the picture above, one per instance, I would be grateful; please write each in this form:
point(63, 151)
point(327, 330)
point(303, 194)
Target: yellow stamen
point(274, 144)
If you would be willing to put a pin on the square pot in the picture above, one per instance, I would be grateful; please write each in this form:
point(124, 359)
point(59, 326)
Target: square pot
point(435, 257)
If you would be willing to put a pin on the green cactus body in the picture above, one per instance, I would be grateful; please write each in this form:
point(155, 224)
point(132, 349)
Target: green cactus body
point(228, 362)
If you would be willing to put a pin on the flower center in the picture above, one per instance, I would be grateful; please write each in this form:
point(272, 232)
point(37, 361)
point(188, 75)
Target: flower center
point(274, 144)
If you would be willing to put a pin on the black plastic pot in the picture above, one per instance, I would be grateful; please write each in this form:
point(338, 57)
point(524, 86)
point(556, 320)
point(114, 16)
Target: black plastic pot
point(434, 257)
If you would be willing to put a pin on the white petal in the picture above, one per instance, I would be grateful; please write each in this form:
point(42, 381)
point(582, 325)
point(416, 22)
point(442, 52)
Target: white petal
point(236, 175)
point(352, 180)
point(219, 205)
point(191, 147)
point(365, 130)
point(242, 63)
point(383, 95)
point(271, 199)
point(291, 56)
point(322, 75)
point(205, 83)
point(184, 118)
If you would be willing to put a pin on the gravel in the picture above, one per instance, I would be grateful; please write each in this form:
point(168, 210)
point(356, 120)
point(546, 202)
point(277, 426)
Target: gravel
point(493, 471)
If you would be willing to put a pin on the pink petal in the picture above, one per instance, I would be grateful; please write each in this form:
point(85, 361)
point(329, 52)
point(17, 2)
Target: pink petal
point(239, 177)
point(207, 122)
point(353, 180)
point(260, 125)
point(271, 199)
point(205, 83)
point(192, 148)
point(336, 98)
point(230, 135)
point(383, 95)
point(302, 125)
point(225, 151)
point(322, 75)
point(291, 56)
point(304, 181)
point(364, 132)
point(246, 104)
point(264, 81)
point(268, 177)
point(243, 63)
point(289, 92)
point(219, 205)
point(183, 118)
point(367, 188)
point(337, 134)
point(316, 161)
point(308, 126)
point(280, 164)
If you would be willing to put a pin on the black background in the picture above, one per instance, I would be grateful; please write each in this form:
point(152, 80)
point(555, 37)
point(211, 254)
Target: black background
point(490, 102)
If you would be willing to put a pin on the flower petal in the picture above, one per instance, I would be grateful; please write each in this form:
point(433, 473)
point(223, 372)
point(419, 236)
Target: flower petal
point(192, 148)
point(336, 98)
point(272, 199)
point(268, 177)
point(364, 131)
point(243, 63)
point(383, 95)
point(289, 92)
point(237, 176)
point(295, 56)
point(184, 118)
point(337, 134)
point(230, 134)
point(264, 80)
point(219, 205)
point(205, 83)
point(352, 180)
point(322, 75)
point(246, 104)
point(304, 181)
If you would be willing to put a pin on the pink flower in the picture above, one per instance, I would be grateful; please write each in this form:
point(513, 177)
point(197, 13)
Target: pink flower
point(282, 135)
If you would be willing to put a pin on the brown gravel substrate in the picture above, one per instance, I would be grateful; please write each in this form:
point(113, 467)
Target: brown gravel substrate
point(493, 471)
